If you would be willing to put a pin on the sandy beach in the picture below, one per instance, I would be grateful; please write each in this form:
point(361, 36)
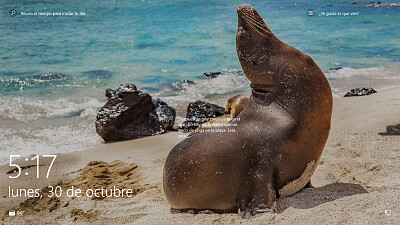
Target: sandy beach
point(356, 182)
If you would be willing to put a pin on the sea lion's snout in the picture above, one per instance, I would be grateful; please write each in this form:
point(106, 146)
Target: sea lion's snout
point(253, 49)
point(243, 11)
point(250, 20)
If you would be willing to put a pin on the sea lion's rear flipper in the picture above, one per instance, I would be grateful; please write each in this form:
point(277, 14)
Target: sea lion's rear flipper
point(309, 185)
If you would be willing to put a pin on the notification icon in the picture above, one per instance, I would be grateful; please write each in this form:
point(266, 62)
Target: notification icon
point(11, 213)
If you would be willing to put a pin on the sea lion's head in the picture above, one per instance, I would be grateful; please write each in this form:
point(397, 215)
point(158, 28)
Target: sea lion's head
point(255, 43)
point(275, 68)
point(251, 25)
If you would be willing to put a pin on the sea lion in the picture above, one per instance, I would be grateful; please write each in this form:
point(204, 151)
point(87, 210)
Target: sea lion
point(234, 106)
point(278, 140)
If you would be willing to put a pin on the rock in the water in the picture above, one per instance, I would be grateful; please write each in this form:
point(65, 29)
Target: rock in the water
point(182, 84)
point(336, 68)
point(166, 114)
point(200, 112)
point(360, 92)
point(122, 88)
point(379, 4)
point(131, 114)
point(211, 74)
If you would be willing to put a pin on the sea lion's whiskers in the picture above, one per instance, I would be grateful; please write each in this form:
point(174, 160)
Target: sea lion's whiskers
point(254, 20)
point(253, 23)
point(260, 26)
point(258, 29)
point(257, 25)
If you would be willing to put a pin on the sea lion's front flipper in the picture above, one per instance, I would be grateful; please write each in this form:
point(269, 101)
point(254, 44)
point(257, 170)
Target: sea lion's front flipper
point(257, 195)
point(243, 199)
point(263, 192)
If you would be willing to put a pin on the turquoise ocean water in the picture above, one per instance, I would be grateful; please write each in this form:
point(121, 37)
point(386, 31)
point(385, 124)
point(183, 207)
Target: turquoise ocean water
point(54, 69)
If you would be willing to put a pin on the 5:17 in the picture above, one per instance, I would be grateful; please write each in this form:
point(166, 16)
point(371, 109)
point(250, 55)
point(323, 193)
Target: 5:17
point(18, 168)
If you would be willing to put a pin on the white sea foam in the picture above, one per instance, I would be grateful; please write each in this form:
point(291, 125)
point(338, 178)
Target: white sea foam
point(30, 135)
point(50, 140)
point(383, 4)
point(226, 84)
point(379, 78)
point(25, 109)
point(377, 72)
point(232, 81)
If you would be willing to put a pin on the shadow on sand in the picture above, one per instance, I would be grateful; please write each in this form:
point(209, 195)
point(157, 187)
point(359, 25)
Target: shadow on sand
point(391, 130)
point(312, 197)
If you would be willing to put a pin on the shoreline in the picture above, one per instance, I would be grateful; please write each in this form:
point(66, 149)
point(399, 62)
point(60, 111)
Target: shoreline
point(355, 180)
point(100, 143)
point(103, 144)
point(29, 123)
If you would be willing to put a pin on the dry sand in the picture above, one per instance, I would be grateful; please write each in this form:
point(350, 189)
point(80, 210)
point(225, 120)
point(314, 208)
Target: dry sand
point(356, 180)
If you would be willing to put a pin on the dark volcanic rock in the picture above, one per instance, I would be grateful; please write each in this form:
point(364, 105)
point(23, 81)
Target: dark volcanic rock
point(127, 115)
point(336, 68)
point(166, 114)
point(130, 114)
point(360, 92)
point(211, 74)
point(380, 4)
point(200, 112)
point(122, 88)
point(392, 130)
